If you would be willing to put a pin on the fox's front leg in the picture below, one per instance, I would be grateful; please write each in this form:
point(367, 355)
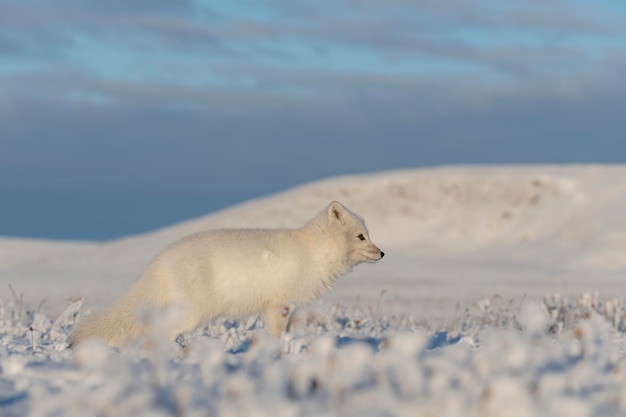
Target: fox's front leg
point(276, 319)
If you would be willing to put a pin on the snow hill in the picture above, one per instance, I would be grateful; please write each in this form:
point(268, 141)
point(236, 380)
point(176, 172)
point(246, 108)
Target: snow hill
point(452, 235)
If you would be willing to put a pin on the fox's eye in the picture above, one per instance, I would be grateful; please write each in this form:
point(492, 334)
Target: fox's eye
point(361, 236)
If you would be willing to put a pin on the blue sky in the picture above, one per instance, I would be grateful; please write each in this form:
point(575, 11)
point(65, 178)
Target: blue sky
point(118, 117)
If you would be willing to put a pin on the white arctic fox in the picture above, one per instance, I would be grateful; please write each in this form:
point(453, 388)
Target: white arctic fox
point(238, 272)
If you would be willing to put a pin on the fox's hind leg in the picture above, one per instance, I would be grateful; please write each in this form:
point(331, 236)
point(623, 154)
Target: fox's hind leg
point(185, 323)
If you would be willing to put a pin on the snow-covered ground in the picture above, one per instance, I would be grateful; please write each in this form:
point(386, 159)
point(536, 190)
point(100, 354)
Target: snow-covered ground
point(485, 304)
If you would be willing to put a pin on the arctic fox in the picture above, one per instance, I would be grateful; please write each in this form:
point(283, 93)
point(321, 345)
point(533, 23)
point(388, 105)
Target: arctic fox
point(239, 272)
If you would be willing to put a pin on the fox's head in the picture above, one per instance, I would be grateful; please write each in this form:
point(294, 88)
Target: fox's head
point(351, 236)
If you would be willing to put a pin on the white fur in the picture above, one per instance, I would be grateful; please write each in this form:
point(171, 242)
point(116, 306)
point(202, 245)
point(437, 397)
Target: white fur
point(239, 272)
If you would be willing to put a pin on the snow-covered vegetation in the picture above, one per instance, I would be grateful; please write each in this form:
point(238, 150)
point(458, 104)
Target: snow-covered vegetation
point(500, 357)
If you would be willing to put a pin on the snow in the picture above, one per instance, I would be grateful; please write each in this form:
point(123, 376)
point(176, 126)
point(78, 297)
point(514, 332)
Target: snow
point(521, 359)
point(500, 294)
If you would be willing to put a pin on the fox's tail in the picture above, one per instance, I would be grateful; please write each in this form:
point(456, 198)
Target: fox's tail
point(120, 321)
point(112, 326)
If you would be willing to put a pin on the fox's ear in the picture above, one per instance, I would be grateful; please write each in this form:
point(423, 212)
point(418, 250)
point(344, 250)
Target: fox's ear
point(336, 210)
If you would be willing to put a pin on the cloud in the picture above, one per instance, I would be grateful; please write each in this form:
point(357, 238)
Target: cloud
point(167, 97)
point(404, 33)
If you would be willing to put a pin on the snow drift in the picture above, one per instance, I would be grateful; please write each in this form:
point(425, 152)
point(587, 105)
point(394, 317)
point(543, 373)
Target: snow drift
point(476, 229)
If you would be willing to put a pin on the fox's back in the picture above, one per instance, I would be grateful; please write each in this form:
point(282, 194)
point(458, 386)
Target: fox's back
point(242, 266)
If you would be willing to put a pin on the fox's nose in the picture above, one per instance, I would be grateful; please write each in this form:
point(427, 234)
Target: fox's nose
point(382, 254)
